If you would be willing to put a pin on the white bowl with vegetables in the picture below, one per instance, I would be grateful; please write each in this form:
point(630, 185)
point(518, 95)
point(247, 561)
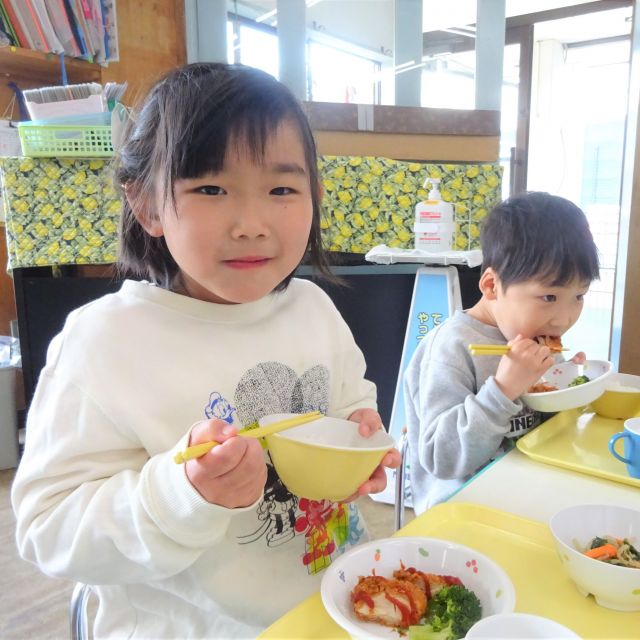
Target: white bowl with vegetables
point(570, 387)
point(342, 596)
point(599, 547)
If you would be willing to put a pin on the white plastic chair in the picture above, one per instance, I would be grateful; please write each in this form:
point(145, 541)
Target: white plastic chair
point(78, 611)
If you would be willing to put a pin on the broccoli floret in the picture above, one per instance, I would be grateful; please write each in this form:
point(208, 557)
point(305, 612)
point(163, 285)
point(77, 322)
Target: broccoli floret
point(451, 613)
point(426, 632)
point(579, 380)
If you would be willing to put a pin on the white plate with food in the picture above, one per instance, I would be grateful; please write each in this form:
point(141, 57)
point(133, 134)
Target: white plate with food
point(567, 385)
point(360, 587)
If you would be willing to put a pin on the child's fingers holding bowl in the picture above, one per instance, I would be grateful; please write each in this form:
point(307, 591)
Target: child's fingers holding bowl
point(376, 483)
point(392, 459)
point(369, 421)
point(579, 358)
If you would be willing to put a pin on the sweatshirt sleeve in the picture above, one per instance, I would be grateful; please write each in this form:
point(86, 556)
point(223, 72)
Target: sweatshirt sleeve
point(456, 430)
point(92, 506)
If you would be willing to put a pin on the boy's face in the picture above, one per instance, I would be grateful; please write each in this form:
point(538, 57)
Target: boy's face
point(533, 308)
point(237, 234)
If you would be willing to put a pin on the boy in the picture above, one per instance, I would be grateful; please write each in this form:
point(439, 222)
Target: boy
point(539, 259)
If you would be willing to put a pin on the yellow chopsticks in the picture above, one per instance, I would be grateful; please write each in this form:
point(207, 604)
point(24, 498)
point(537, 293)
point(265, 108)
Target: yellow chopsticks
point(198, 450)
point(491, 349)
point(488, 349)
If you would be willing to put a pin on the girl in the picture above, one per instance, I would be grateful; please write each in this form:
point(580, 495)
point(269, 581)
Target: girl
point(221, 202)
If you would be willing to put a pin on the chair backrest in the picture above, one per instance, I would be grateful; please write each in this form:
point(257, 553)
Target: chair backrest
point(400, 481)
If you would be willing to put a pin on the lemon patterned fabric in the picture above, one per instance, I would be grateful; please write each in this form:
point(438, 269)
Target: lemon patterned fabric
point(65, 211)
point(370, 201)
point(59, 211)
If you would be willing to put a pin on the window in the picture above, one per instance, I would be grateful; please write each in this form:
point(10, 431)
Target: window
point(339, 76)
point(582, 161)
point(334, 73)
point(259, 49)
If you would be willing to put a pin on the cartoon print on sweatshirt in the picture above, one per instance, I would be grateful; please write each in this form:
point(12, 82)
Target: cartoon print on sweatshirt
point(328, 528)
point(219, 407)
point(277, 511)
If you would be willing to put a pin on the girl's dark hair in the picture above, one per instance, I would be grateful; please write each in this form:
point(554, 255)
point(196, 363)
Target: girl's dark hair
point(182, 130)
point(535, 235)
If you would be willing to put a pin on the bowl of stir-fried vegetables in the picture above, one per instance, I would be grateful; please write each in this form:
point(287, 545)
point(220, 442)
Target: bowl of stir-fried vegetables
point(599, 546)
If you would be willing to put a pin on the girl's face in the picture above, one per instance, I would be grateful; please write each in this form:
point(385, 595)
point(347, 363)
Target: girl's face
point(532, 308)
point(237, 234)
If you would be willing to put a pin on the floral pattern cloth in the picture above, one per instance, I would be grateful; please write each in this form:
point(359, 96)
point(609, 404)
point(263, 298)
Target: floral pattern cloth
point(59, 211)
point(65, 211)
point(370, 200)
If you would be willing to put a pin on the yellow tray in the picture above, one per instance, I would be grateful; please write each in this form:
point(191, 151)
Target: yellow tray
point(578, 440)
point(523, 548)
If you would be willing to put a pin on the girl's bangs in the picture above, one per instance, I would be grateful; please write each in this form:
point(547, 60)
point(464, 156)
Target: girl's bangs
point(246, 131)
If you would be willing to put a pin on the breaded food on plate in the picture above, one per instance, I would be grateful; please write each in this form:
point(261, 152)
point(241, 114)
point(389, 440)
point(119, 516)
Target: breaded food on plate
point(393, 603)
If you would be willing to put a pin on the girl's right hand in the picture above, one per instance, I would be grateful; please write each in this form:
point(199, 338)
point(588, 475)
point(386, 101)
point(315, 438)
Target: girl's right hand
point(522, 366)
point(233, 473)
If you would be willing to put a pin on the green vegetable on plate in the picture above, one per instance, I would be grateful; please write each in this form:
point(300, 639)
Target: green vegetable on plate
point(579, 380)
point(450, 614)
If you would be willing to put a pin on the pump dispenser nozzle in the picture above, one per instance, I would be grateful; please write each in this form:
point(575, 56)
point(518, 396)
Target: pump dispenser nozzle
point(434, 193)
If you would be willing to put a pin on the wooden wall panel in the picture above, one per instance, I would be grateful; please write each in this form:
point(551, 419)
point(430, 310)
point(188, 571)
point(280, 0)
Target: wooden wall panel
point(422, 148)
point(152, 41)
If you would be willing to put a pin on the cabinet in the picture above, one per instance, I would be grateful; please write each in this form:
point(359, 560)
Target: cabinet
point(151, 41)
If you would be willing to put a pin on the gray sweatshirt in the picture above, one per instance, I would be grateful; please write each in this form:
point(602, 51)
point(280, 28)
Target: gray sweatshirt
point(458, 419)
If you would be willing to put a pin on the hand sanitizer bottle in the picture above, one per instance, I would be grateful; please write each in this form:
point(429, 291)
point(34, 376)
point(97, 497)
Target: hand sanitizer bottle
point(434, 224)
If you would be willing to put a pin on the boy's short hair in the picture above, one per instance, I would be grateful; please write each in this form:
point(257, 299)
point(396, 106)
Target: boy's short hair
point(535, 235)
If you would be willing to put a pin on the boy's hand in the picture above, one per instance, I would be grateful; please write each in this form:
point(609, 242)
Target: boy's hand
point(233, 473)
point(579, 358)
point(522, 366)
point(370, 421)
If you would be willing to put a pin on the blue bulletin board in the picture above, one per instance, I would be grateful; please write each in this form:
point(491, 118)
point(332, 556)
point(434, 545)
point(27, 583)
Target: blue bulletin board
point(436, 295)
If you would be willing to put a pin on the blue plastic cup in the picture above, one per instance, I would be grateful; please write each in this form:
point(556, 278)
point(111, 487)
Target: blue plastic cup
point(631, 436)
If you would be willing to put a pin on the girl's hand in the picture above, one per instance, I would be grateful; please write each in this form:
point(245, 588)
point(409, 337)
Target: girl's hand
point(522, 366)
point(370, 422)
point(233, 473)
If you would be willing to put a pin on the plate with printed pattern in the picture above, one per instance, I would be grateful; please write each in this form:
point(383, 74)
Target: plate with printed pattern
point(477, 572)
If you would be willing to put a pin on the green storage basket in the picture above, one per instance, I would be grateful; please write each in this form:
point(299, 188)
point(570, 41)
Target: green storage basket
point(57, 141)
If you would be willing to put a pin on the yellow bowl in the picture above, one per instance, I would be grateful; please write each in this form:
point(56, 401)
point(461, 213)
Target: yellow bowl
point(326, 459)
point(621, 397)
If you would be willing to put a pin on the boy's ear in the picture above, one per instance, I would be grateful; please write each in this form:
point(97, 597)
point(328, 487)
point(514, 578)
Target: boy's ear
point(148, 220)
point(489, 284)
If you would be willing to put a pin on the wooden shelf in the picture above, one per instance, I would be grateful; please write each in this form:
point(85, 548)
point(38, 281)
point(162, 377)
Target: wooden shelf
point(37, 67)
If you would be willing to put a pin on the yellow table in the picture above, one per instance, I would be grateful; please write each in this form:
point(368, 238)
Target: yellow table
point(524, 548)
point(502, 512)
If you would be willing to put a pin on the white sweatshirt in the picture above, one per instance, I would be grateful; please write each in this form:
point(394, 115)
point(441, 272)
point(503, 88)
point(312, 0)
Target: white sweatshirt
point(99, 499)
